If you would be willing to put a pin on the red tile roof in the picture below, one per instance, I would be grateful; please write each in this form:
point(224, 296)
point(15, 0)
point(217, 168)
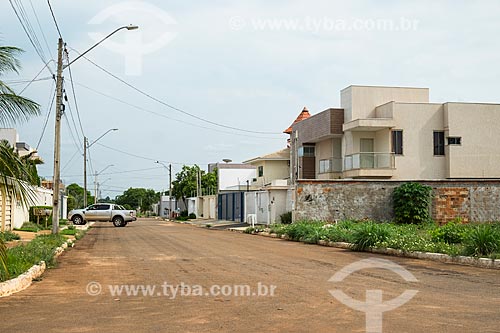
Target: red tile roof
point(303, 115)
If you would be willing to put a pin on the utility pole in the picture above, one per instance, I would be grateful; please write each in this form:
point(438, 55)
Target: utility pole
point(84, 171)
point(95, 188)
point(170, 190)
point(57, 142)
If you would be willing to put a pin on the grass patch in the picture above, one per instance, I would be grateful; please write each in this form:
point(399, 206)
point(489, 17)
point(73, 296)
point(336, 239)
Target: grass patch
point(22, 257)
point(452, 239)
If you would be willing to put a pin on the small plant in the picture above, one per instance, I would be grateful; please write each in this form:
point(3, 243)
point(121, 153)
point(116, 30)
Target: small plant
point(4, 271)
point(181, 218)
point(184, 213)
point(411, 202)
point(286, 218)
point(208, 225)
point(192, 216)
point(452, 233)
point(249, 230)
point(8, 236)
point(483, 240)
point(369, 234)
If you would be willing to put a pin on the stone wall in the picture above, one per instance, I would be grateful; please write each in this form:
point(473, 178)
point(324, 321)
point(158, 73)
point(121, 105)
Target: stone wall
point(330, 200)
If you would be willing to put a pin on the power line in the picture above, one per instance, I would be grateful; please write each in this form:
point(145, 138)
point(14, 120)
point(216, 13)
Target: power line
point(74, 94)
point(137, 156)
point(167, 117)
point(36, 77)
point(41, 30)
point(48, 116)
point(171, 106)
point(28, 29)
point(54, 18)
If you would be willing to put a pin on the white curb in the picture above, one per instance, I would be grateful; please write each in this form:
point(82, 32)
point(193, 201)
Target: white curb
point(24, 280)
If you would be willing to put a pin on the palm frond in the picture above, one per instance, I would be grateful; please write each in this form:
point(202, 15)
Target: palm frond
point(8, 59)
point(15, 109)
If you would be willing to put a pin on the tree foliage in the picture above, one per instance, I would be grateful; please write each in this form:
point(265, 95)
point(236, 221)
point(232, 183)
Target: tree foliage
point(15, 174)
point(138, 198)
point(185, 183)
point(76, 198)
point(411, 202)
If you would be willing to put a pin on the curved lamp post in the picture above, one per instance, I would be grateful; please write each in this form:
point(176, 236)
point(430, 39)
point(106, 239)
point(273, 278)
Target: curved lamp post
point(57, 130)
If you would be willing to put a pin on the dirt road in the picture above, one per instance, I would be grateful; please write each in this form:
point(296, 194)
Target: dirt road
point(208, 268)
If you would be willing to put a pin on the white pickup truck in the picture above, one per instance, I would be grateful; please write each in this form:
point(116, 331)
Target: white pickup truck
point(103, 212)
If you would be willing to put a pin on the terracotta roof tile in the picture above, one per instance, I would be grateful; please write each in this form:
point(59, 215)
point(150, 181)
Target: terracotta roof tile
point(303, 115)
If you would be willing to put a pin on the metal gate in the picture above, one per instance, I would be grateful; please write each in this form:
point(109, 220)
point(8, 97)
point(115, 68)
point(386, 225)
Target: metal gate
point(231, 206)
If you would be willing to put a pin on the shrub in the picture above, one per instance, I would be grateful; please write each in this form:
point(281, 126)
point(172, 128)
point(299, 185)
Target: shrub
point(482, 240)
point(192, 216)
point(4, 272)
point(452, 233)
point(286, 218)
point(368, 234)
point(278, 229)
point(181, 218)
point(22, 257)
point(337, 233)
point(299, 230)
point(184, 213)
point(8, 236)
point(411, 203)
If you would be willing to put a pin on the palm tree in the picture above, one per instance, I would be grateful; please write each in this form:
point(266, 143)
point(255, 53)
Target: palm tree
point(15, 174)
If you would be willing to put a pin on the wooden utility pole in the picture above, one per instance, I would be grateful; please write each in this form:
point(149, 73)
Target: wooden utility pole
point(84, 171)
point(57, 141)
point(170, 190)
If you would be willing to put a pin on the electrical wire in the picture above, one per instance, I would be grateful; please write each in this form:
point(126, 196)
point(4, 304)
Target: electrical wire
point(54, 18)
point(137, 156)
point(74, 94)
point(41, 30)
point(169, 105)
point(36, 77)
point(167, 117)
point(28, 29)
point(48, 115)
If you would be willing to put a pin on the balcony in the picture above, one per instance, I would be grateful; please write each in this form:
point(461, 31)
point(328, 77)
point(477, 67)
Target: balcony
point(376, 165)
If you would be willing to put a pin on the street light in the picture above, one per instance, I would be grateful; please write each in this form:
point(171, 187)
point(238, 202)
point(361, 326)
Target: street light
point(57, 126)
point(85, 147)
point(169, 168)
point(97, 184)
point(99, 187)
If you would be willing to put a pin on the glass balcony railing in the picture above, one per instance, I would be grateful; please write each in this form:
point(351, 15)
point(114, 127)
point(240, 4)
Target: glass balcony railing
point(330, 165)
point(369, 161)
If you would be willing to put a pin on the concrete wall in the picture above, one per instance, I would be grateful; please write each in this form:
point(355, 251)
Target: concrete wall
point(418, 123)
point(479, 154)
point(472, 201)
point(359, 102)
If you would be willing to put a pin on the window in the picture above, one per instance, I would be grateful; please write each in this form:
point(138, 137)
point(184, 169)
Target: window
point(101, 207)
point(324, 166)
point(261, 171)
point(397, 142)
point(454, 140)
point(306, 151)
point(438, 143)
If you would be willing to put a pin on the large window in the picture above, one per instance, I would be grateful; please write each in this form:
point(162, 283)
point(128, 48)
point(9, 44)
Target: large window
point(438, 143)
point(397, 142)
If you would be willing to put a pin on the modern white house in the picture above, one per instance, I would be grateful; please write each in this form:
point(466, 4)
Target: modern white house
point(397, 133)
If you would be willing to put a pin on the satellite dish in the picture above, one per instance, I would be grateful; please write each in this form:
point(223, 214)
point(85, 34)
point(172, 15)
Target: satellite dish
point(227, 160)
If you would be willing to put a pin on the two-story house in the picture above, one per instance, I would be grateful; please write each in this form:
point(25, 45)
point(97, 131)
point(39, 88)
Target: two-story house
point(396, 133)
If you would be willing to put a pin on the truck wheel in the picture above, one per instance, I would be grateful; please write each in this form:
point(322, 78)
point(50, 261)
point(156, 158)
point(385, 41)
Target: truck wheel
point(118, 221)
point(124, 224)
point(77, 219)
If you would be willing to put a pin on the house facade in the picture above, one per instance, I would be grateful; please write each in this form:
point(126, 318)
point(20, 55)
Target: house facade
point(271, 168)
point(396, 133)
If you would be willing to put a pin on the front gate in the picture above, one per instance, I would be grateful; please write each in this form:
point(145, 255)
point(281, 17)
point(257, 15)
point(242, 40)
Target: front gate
point(231, 206)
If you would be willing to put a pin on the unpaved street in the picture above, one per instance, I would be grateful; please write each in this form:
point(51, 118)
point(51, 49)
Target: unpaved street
point(162, 256)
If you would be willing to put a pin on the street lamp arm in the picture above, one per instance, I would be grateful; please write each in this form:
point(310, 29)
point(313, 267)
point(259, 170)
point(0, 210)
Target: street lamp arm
point(128, 27)
point(111, 129)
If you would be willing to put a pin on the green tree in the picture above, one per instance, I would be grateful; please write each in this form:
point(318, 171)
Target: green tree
point(76, 198)
point(15, 176)
point(138, 198)
point(185, 183)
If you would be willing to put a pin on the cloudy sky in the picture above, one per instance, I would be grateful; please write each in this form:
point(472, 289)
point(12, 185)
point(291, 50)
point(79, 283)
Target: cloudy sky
point(225, 78)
